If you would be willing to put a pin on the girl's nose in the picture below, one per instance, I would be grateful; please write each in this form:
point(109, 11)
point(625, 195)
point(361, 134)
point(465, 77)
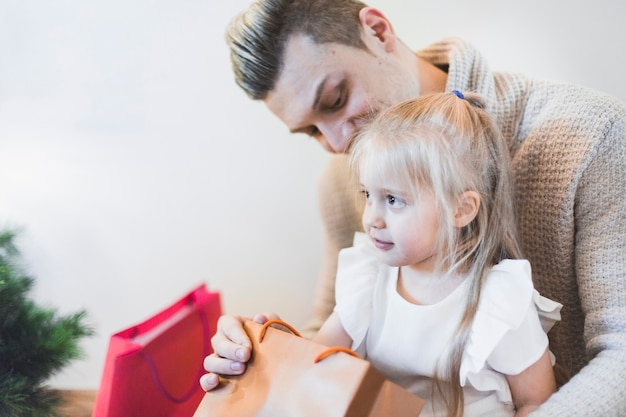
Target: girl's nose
point(372, 218)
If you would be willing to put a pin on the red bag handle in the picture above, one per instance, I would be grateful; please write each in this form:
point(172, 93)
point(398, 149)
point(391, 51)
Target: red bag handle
point(155, 372)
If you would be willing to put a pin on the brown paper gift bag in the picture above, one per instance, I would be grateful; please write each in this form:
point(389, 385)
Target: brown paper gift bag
point(284, 380)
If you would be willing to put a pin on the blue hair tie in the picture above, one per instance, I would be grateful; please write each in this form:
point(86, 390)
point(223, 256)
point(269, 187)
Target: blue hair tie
point(459, 94)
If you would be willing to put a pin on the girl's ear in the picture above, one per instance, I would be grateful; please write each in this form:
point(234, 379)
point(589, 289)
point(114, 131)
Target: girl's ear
point(467, 207)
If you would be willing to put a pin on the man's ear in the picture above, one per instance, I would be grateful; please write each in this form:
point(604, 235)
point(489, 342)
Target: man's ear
point(376, 24)
point(467, 207)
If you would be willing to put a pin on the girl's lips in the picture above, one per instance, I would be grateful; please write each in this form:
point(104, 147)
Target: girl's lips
point(382, 245)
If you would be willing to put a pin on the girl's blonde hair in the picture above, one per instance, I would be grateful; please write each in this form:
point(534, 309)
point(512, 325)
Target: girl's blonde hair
point(448, 144)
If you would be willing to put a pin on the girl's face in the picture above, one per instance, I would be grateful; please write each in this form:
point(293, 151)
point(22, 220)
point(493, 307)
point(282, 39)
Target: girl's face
point(403, 228)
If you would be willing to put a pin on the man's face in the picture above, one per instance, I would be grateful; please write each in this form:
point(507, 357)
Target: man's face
point(326, 90)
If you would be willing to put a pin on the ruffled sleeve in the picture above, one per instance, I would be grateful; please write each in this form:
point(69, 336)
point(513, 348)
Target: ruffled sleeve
point(356, 276)
point(509, 330)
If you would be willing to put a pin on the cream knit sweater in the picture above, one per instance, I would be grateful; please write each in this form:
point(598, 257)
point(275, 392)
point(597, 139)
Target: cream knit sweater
point(568, 148)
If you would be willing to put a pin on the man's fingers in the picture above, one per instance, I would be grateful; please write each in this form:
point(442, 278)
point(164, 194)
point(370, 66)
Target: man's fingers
point(216, 364)
point(230, 328)
point(209, 381)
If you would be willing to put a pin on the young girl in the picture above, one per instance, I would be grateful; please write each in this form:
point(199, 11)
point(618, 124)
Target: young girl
point(435, 294)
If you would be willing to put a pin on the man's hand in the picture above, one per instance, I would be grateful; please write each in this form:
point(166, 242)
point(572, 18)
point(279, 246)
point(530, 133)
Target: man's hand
point(232, 349)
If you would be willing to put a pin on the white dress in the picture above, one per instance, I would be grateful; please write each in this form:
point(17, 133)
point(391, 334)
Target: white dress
point(405, 341)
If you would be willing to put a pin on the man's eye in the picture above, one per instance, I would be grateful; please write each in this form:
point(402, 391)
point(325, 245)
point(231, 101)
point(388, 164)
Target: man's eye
point(337, 104)
point(313, 131)
point(332, 103)
point(336, 98)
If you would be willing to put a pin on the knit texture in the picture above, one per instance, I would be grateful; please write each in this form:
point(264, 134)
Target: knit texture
point(568, 149)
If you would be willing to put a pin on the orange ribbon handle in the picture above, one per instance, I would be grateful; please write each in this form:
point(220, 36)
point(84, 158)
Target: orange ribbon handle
point(282, 323)
point(334, 349)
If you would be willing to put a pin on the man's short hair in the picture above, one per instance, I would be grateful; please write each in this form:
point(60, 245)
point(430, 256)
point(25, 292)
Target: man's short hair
point(257, 37)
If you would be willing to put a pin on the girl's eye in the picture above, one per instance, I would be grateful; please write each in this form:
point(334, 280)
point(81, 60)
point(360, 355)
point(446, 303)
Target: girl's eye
point(394, 201)
point(365, 193)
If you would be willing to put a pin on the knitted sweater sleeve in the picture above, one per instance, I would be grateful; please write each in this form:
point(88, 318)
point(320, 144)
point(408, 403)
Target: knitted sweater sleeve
point(599, 389)
point(340, 212)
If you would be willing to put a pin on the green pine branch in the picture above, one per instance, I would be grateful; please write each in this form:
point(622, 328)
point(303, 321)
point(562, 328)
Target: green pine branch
point(35, 342)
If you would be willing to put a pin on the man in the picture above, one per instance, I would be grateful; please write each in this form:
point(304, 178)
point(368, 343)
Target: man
point(321, 66)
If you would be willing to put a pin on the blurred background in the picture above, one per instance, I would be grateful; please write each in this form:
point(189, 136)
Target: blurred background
point(134, 168)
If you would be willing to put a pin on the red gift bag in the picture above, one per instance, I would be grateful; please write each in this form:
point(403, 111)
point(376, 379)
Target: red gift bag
point(152, 369)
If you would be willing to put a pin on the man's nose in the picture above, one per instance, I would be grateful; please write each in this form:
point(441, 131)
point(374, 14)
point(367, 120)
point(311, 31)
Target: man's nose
point(337, 134)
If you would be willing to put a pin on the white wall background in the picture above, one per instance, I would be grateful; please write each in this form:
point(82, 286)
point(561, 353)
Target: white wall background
point(136, 169)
